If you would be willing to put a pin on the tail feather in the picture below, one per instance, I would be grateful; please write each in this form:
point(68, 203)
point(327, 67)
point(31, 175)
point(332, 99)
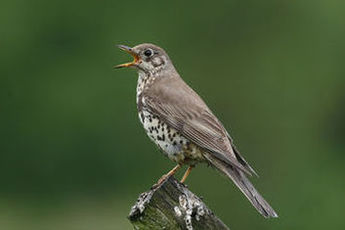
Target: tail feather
point(242, 182)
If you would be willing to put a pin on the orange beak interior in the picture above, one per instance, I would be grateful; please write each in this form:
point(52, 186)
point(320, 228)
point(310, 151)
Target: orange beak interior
point(130, 51)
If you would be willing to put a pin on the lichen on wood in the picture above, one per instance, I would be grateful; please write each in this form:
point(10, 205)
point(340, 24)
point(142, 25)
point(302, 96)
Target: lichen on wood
point(172, 206)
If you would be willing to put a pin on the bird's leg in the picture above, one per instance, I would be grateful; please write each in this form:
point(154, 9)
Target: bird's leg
point(187, 173)
point(165, 176)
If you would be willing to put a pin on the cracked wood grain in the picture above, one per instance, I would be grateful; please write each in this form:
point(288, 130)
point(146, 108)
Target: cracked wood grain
point(173, 206)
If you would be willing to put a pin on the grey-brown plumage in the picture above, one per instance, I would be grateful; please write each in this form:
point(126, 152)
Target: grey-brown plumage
point(182, 125)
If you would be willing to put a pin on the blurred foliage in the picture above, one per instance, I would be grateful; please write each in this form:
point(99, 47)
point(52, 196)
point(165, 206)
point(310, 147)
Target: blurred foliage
point(74, 156)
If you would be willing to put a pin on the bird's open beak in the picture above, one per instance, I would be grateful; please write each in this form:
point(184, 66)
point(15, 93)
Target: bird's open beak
point(131, 52)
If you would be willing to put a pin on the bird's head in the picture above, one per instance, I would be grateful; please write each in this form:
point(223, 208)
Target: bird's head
point(147, 57)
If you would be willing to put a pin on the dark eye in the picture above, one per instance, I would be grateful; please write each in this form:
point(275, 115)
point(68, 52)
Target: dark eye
point(148, 52)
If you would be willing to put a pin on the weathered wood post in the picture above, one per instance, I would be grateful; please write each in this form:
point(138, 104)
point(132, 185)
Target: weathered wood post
point(172, 206)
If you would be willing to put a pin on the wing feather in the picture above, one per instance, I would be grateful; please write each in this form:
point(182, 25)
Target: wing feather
point(194, 121)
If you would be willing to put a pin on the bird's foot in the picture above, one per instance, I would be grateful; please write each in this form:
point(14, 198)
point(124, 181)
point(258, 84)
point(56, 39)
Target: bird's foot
point(160, 181)
point(186, 174)
point(166, 176)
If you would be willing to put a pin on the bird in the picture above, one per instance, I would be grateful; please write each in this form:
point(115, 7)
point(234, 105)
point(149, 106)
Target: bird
point(183, 127)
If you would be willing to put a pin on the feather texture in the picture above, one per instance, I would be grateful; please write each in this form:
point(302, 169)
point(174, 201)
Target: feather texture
point(245, 186)
point(171, 99)
point(182, 109)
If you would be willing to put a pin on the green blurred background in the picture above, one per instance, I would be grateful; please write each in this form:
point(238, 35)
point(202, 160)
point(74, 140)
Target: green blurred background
point(73, 154)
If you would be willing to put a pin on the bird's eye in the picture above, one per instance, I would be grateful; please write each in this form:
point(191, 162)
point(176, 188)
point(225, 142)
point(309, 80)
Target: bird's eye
point(148, 52)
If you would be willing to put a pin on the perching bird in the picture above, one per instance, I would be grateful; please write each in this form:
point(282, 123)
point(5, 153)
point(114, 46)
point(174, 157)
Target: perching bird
point(179, 122)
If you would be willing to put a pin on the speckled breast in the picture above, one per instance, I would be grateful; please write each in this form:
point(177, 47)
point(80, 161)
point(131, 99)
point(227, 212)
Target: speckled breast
point(176, 147)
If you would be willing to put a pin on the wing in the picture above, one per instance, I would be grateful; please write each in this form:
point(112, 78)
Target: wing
point(181, 108)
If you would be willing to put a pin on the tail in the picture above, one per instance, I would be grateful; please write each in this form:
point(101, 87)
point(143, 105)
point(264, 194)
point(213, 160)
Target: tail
point(242, 182)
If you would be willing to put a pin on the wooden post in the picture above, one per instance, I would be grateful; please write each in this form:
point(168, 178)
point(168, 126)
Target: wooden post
point(172, 206)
